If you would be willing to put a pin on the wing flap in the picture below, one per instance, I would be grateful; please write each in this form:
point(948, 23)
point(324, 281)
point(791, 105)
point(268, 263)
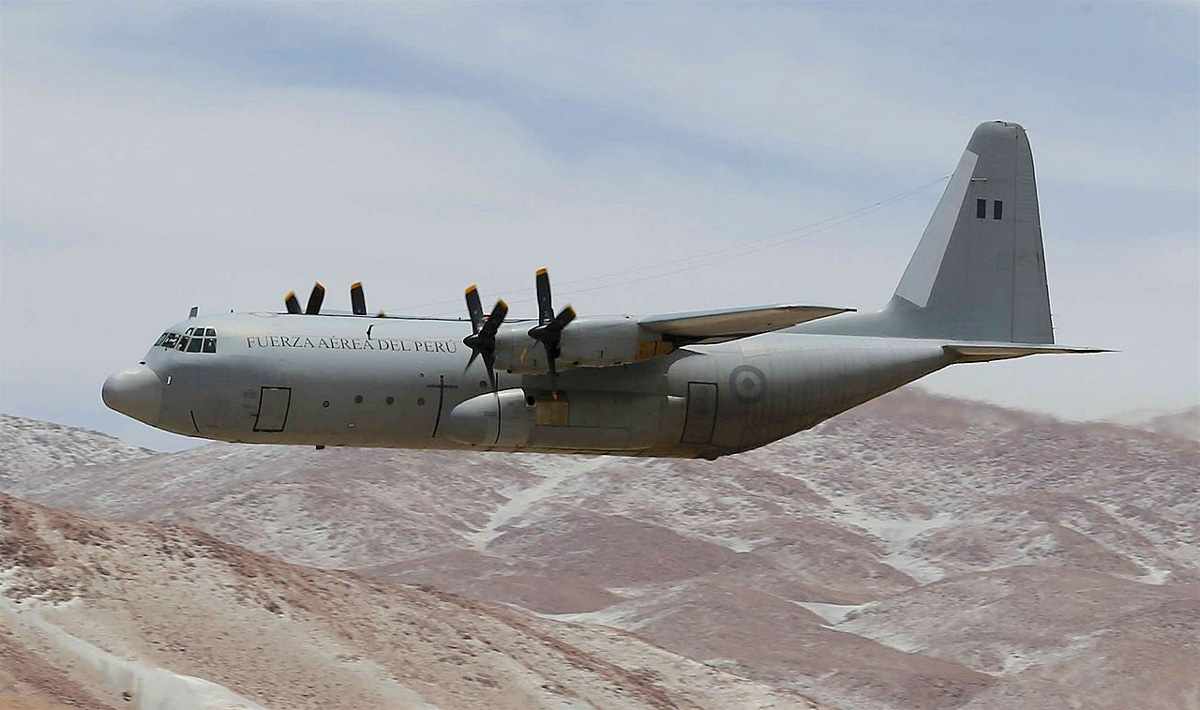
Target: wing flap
point(985, 352)
point(724, 324)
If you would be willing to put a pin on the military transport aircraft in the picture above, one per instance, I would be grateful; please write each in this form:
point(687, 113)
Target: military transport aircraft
point(696, 385)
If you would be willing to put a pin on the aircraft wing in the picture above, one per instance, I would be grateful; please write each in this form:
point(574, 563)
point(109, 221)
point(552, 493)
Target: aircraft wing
point(723, 324)
point(984, 352)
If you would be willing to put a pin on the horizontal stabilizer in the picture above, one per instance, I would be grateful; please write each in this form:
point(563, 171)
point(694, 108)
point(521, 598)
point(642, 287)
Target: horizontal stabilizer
point(732, 323)
point(985, 352)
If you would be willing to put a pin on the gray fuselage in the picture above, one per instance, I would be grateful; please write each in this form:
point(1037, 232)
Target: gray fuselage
point(326, 380)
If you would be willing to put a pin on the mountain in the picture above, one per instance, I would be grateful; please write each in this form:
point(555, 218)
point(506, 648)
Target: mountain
point(31, 446)
point(919, 551)
point(1184, 423)
point(103, 615)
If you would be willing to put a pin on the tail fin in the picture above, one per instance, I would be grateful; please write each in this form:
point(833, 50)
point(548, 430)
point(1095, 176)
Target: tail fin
point(979, 272)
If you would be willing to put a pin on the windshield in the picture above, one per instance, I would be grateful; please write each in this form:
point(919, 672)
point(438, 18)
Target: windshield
point(192, 340)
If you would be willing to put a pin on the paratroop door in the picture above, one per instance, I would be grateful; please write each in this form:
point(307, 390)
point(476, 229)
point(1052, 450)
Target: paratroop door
point(273, 405)
point(701, 413)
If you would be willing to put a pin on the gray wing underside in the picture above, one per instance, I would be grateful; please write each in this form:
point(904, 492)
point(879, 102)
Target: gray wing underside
point(724, 324)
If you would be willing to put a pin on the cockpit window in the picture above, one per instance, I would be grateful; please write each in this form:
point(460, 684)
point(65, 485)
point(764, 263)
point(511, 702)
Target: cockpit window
point(193, 340)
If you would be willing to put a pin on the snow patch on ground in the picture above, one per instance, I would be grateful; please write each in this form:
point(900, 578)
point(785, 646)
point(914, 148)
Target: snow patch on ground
point(833, 614)
point(898, 534)
point(870, 629)
point(1017, 662)
point(736, 544)
point(1154, 575)
point(520, 501)
point(149, 687)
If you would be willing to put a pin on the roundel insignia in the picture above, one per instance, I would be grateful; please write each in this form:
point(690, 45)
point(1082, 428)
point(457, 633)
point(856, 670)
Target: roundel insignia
point(749, 383)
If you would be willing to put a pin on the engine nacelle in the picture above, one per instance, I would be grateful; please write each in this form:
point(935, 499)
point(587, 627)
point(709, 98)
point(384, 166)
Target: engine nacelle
point(503, 420)
point(586, 342)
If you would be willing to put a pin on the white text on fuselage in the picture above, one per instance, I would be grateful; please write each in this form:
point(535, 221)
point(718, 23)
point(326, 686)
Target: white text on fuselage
point(376, 344)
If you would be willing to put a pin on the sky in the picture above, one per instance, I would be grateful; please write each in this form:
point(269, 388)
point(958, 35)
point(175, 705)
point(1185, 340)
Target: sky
point(656, 158)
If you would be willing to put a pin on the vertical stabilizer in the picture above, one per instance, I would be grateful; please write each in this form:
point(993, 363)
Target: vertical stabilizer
point(979, 272)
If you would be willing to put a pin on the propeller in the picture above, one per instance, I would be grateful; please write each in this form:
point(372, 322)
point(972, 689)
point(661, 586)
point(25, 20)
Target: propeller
point(549, 329)
point(358, 300)
point(314, 301)
point(482, 339)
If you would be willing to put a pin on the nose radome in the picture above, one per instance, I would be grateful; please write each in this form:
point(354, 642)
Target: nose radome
point(136, 392)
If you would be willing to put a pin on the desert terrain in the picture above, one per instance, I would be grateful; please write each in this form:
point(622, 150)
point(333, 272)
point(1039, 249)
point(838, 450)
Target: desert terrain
point(917, 552)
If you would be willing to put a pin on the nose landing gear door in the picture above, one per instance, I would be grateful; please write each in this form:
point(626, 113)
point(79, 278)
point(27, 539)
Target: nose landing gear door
point(273, 406)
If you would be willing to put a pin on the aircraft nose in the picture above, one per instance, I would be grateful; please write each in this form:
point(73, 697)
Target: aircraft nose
point(135, 392)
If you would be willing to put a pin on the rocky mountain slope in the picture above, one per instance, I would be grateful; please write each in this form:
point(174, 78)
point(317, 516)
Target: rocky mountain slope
point(916, 552)
point(31, 446)
point(1184, 423)
point(107, 615)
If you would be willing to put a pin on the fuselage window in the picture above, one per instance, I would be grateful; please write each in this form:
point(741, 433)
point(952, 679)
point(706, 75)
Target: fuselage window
point(981, 208)
point(997, 209)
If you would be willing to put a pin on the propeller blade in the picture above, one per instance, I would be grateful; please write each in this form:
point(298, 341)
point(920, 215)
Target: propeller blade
point(474, 308)
point(561, 320)
point(489, 362)
point(358, 300)
point(545, 309)
point(495, 319)
point(292, 303)
point(315, 299)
